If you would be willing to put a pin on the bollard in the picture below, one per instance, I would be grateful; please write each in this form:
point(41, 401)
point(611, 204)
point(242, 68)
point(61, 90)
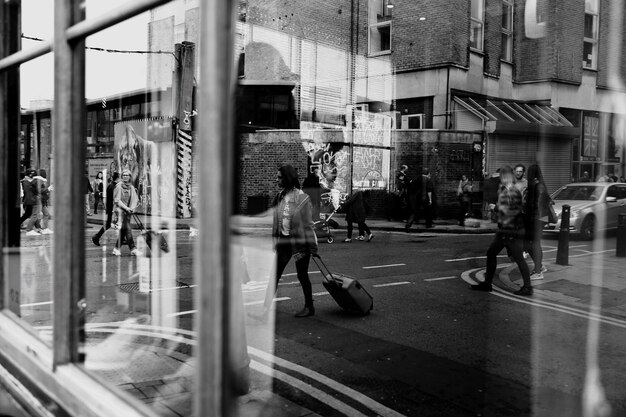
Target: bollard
point(620, 248)
point(562, 253)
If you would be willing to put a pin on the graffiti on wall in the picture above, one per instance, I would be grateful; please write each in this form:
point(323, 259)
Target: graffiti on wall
point(146, 149)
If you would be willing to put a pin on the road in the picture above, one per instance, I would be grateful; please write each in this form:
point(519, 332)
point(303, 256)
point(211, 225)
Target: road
point(432, 347)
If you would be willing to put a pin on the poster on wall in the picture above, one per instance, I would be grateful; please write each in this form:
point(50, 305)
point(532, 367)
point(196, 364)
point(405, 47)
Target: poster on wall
point(371, 153)
point(616, 138)
point(146, 148)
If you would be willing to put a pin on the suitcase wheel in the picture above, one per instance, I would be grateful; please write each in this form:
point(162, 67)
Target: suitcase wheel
point(330, 239)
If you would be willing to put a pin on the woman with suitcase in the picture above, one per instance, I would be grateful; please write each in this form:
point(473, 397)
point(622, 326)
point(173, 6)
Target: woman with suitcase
point(293, 236)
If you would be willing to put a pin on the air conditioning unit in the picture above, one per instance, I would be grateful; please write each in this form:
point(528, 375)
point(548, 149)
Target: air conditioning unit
point(412, 121)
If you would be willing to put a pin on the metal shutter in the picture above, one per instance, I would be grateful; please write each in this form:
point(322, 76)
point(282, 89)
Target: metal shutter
point(555, 157)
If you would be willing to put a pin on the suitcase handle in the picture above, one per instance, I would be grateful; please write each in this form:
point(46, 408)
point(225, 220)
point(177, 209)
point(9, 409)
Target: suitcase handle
point(324, 269)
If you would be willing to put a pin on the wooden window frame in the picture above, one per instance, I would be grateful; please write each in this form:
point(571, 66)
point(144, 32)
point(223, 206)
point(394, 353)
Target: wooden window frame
point(56, 371)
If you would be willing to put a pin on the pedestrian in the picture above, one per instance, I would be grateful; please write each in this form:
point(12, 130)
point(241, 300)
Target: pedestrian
point(293, 236)
point(422, 195)
point(42, 196)
point(28, 199)
point(108, 208)
point(356, 212)
point(32, 199)
point(313, 188)
point(98, 189)
point(510, 233)
point(520, 182)
point(537, 215)
point(585, 177)
point(125, 201)
point(88, 192)
point(402, 188)
point(464, 193)
point(490, 194)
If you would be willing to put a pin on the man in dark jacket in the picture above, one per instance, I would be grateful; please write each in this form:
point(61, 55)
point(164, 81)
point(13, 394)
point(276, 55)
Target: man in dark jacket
point(30, 201)
point(108, 207)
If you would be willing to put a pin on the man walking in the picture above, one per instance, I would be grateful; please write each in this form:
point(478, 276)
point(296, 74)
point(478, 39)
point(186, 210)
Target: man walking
point(125, 199)
point(422, 196)
point(108, 204)
point(32, 203)
point(520, 182)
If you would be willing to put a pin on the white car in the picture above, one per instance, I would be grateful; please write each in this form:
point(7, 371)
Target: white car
point(594, 206)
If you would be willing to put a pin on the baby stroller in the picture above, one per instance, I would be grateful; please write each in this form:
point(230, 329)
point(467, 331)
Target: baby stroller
point(323, 227)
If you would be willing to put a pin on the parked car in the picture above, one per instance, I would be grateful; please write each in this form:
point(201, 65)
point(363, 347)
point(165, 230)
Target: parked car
point(594, 206)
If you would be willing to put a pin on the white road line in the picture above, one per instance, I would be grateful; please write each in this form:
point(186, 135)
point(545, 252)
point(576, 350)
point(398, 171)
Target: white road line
point(382, 266)
point(321, 293)
point(43, 303)
point(291, 274)
point(254, 303)
point(373, 405)
point(471, 257)
point(440, 279)
point(391, 284)
point(318, 394)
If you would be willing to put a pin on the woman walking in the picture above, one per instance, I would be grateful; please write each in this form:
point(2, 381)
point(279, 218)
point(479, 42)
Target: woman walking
point(98, 189)
point(510, 233)
point(293, 236)
point(537, 210)
point(355, 212)
point(464, 193)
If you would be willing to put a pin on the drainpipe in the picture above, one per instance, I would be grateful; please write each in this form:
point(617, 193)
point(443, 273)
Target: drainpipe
point(448, 99)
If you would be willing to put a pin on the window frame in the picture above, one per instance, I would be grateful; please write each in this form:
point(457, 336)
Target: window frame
point(480, 22)
point(376, 26)
point(506, 48)
point(593, 41)
point(56, 370)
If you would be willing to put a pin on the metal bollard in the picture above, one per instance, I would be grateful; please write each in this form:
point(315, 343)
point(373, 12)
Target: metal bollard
point(562, 254)
point(620, 248)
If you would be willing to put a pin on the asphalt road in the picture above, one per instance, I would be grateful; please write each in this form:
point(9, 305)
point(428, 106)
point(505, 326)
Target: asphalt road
point(432, 347)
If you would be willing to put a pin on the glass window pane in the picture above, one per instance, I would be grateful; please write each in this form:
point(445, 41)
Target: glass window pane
point(590, 26)
point(476, 35)
point(507, 14)
point(477, 9)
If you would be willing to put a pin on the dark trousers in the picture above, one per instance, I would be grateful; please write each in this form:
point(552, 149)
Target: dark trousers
point(97, 200)
point(126, 234)
point(28, 211)
point(362, 229)
point(422, 209)
point(515, 247)
point(284, 253)
point(106, 226)
point(532, 244)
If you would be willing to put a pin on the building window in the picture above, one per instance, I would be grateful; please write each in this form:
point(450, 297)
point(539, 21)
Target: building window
point(477, 24)
point(380, 38)
point(379, 35)
point(590, 44)
point(506, 52)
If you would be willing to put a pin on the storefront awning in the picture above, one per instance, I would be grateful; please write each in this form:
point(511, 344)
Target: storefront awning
point(518, 118)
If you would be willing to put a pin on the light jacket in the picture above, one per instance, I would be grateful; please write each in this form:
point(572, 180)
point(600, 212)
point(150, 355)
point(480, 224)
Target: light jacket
point(125, 196)
point(303, 239)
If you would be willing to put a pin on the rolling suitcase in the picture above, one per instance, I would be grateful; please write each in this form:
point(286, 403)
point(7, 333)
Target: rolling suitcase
point(347, 292)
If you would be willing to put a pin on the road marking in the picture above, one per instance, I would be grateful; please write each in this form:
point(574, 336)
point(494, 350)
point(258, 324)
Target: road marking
point(318, 394)
point(189, 337)
point(321, 293)
point(391, 284)
point(382, 266)
point(291, 274)
point(440, 279)
point(43, 303)
point(471, 258)
point(373, 405)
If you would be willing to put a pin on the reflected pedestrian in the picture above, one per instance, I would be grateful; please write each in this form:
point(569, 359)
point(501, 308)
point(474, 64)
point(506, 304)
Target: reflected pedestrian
point(88, 192)
point(42, 194)
point(510, 233)
point(293, 235)
point(98, 189)
point(313, 188)
point(536, 216)
point(126, 201)
point(356, 212)
point(421, 193)
point(28, 199)
point(464, 193)
point(108, 207)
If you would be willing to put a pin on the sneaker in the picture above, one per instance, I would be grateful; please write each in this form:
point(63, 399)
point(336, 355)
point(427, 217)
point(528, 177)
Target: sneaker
point(524, 291)
point(46, 231)
point(370, 237)
point(543, 269)
point(536, 275)
point(136, 252)
point(483, 286)
point(360, 238)
point(525, 255)
point(95, 240)
point(117, 252)
point(347, 240)
point(33, 233)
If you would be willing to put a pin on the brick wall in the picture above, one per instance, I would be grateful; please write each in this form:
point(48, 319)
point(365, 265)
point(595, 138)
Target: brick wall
point(446, 154)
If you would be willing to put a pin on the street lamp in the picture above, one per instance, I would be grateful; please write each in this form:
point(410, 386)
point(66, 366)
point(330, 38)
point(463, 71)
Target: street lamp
point(390, 4)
